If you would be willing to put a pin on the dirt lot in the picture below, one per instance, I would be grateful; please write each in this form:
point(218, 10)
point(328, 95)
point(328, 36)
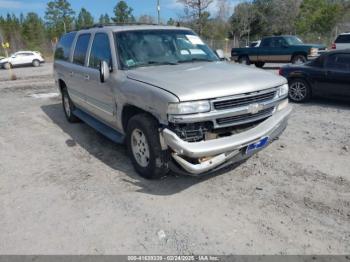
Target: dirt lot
point(65, 189)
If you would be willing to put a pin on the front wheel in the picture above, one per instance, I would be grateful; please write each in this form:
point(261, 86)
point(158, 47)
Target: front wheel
point(36, 63)
point(299, 59)
point(259, 64)
point(144, 148)
point(299, 91)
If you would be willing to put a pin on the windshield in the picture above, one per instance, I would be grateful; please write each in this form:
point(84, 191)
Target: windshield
point(293, 40)
point(161, 47)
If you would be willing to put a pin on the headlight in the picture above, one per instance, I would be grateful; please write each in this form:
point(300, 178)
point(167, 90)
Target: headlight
point(283, 90)
point(188, 107)
point(314, 51)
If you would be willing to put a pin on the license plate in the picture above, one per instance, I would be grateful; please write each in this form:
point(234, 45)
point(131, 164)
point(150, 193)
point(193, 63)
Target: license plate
point(257, 145)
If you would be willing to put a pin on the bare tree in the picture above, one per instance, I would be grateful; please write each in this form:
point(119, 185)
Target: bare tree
point(196, 10)
point(224, 9)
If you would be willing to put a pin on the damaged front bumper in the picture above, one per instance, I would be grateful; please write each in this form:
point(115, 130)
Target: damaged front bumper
point(224, 150)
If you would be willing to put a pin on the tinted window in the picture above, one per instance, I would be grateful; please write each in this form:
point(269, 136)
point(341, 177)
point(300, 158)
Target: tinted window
point(278, 42)
point(267, 42)
point(100, 51)
point(343, 39)
point(339, 61)
point(81, 49)
point(63, 46)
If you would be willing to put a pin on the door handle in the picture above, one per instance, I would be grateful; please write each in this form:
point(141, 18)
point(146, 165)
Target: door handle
point(86, 77)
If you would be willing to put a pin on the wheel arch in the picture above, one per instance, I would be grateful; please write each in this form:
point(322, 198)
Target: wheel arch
point(129, 111)
point(303, 53)
point(303, 77)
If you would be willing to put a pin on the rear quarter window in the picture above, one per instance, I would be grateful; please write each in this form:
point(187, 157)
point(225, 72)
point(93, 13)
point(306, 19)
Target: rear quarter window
point(343, 39)
point(64, 46)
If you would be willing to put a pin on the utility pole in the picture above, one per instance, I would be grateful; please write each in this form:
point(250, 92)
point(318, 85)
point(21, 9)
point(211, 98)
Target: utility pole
point(158, 10)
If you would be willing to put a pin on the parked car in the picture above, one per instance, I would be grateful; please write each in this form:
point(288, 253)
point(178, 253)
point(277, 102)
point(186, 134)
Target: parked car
point(165, 93)
point(22, 58)
point(255, 43)
point(328, 75)
point(342, 42)
point(277, 49)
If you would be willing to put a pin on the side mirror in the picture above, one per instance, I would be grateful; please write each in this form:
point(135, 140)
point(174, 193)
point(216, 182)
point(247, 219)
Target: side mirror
point(104, 71)
point(220, 54)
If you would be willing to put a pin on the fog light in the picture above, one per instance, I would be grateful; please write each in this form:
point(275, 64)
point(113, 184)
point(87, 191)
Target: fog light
point(282, 105)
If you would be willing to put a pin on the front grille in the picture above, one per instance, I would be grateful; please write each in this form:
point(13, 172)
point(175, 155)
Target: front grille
point(246, 117)
point(244, 101)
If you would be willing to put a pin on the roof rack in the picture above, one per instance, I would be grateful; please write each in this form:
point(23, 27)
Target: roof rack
point(118, 24)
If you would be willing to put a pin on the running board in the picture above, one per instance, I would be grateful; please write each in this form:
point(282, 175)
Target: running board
point(105, 130)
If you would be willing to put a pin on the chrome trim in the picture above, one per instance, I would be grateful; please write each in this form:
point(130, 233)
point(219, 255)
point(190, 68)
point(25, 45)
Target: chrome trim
point(226, 144)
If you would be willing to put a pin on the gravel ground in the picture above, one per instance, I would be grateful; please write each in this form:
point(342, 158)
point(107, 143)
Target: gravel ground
point(65, 189)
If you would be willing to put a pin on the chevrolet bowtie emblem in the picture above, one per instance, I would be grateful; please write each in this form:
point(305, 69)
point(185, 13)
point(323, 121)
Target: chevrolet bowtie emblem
point(254, 108)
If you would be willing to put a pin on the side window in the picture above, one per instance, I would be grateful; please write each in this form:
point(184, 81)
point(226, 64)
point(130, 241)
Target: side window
point(100, 51)
point(81, 49)
point(343, 39)
point(267, 42)
point(63, 47)
point(339, 62)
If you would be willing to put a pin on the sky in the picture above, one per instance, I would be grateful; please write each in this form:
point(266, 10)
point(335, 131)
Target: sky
point(169, 8)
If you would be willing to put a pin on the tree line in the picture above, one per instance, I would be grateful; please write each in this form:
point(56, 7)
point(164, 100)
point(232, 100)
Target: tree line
point(248, 20)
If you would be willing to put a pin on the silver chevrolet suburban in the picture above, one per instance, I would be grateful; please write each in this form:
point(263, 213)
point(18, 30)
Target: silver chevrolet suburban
point(167, 95)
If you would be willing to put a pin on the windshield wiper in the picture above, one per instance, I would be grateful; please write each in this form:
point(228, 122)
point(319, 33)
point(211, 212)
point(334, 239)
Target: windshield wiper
point(196, 60)
point(161, 63)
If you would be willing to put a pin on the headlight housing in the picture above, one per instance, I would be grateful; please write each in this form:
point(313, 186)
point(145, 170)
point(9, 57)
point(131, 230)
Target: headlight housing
point(185, 108)
point(314, 51)
point(283, 90)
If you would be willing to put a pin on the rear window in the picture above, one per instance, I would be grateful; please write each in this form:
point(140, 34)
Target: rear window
point(343, 39)
point(81, 49)
point(63, 47)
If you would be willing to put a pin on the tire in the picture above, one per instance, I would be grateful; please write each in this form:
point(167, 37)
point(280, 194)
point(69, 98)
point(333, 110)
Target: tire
point(299, 91)
point(299, 59)
point(68, 107)
point(244, 60)
point(7, 66)
point(259, 64)
point(144, 149)
point(36, 63)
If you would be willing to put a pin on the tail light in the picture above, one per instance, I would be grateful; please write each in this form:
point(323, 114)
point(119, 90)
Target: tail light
point(280, 71)
point(334, 46)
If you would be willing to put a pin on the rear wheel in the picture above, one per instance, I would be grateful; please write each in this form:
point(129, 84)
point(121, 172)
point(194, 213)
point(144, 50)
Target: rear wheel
point(244, 60)
point(144, 148)
point(7, 66)
point(259, 64)
point(299, 90)
point(68, 107)
point(299, 59)
point(36, 63)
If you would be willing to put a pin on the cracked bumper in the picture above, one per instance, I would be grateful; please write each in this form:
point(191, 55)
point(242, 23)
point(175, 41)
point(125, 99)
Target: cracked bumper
point(224, 149)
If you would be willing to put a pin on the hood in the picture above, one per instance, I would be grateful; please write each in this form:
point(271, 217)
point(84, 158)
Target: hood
point(319, 46)
point(208, 80)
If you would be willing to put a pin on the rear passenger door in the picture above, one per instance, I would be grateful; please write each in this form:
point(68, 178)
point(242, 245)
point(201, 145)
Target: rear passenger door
point(100, 97)
point(77, 73)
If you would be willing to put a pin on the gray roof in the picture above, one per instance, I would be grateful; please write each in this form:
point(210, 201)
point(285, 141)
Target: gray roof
point(120, 28)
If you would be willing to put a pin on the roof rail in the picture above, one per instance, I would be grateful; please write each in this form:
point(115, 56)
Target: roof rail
point(117, 24)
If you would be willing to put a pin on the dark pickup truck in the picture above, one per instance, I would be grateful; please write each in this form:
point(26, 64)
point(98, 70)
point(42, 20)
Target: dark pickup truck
point(277, 49)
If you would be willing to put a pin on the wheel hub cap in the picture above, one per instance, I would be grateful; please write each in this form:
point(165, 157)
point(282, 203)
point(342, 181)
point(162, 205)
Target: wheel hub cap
point(298, 91)
point(140, 148)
